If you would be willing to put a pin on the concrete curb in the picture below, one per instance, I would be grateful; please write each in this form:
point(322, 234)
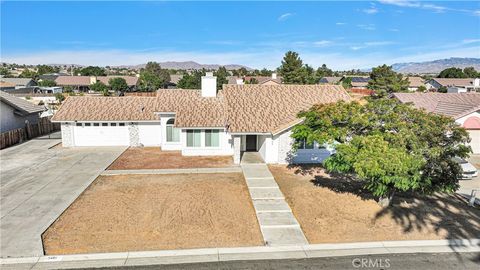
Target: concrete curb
point(233, 169)
point(240, 253)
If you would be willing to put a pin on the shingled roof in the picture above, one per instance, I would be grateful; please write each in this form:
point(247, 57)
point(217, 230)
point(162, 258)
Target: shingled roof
point(454, 105)
point(240, 108)
point(85, 80)
point(22, 106)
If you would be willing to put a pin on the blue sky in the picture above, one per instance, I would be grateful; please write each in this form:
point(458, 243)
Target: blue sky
point(344, 35)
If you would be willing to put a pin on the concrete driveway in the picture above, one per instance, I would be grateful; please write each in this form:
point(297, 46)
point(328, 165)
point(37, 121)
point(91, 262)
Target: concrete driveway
point(466, 186)
point(38, 184)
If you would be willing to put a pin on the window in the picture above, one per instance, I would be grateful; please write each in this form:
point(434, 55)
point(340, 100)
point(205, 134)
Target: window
point(193, 137)
point(96, 124)
point(104, 124)
point(173, 134)
point(212, 138)
point(121, 124)
point(78, 124)
point(302, 144)
point(87, 124)
point(113, 124)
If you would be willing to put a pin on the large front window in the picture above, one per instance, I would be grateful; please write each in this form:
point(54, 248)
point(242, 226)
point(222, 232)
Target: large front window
point(193, 138)
point(212, 138)
point(173, 134)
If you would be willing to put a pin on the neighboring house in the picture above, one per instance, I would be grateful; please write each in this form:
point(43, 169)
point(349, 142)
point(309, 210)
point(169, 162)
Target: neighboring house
point(415, 83)
point(20, 82)
point(454, 85)
point(331, 80)
point(174, 79)
point(51, 76)
point(6, 86)
point(82, 83)
point(360, 82)
point(261, 80)
point(464, 108)
point(231, 121)
point(16, 112)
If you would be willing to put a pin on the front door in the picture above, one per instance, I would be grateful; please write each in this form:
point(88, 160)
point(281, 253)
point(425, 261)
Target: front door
point(251, 143)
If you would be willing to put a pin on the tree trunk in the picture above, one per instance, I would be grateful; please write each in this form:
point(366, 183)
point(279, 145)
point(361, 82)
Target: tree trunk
point(385, 201)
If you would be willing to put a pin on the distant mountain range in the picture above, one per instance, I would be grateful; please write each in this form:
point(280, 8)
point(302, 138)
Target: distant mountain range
point(437, 65)
point(188, 65)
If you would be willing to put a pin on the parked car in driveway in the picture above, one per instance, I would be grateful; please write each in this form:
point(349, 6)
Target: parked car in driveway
point(468, 170)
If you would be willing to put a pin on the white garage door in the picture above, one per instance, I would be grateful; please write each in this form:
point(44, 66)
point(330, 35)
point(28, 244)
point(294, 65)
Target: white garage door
point(101, 134)
point(149, 134)
point(475, 143)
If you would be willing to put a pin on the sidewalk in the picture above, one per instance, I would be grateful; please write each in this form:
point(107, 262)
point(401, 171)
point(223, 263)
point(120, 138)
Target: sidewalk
point(277, 222)
point(244, 253)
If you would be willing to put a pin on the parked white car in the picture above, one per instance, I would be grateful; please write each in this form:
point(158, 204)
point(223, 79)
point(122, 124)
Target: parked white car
point(469, 171)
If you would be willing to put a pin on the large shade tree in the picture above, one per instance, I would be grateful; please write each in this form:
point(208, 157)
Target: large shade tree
point(292, 69)
point(389, 145)
point(153, 77)
point(384, 81)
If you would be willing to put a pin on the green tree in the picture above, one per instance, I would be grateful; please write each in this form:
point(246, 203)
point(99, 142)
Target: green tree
point(470, 72)
point(265, 72)
point(292, 69)
point(60, 97)
point(442, 89)
point(92, 71)
point(27, 73)
point(324, 71)
point(309, 75)
point(118, 84)
point(347, 82)
point(47, 83)
point(251, 81)
point(99, 87)
point(452, 72)
point(384, 81)
point(222, 75)
point(422, 88)
point(388, 145)
point(44, 69)
point(5, 72)
point(153, 77)
point(191, 81)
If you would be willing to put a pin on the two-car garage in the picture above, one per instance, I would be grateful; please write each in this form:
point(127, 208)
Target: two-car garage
point(116, 134)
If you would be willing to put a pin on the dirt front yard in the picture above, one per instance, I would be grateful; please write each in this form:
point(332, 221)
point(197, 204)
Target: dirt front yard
point(154, 212)
point(135, 158)
point(335, 209)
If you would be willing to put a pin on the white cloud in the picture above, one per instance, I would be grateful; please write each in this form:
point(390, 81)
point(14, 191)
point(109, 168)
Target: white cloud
point(469, 41)
point(285, 16)
point(369, 27)
point(427, 6)
point(368, 44)
point(340, 23)
point(372, 10)
point(322, 43)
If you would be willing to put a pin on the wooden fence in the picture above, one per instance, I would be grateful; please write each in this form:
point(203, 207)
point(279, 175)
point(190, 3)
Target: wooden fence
point(42, 127)
point(366, 92)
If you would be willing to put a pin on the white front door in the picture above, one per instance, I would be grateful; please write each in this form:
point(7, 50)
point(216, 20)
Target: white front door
point(101, 134)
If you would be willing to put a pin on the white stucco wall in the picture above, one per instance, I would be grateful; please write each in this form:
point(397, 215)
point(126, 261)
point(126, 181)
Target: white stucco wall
point(164, 144)
point(150, 133)
point(225, 145)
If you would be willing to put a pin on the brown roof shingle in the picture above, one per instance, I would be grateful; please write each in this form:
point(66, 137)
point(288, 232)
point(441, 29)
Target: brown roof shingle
point(85, 80)
point(241, 108)
point(455, 105)
point(454, 81)
point(416, 81)
point(20, 104)
point(268, 108)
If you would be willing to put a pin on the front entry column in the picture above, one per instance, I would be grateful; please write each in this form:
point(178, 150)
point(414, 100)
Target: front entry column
point(236, 148)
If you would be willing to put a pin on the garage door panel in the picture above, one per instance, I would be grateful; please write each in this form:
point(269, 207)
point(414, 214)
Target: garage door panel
point(101, 136)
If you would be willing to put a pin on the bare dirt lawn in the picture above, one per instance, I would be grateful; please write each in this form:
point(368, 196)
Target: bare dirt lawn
point(154, 212)
point(336, 209)
point(154, 158)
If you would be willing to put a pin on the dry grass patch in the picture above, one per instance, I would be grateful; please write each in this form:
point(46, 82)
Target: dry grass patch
point(153, 212)
point(154, 158)
point(335, 209)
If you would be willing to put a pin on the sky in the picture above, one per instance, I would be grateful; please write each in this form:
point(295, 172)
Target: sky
point(341, 34)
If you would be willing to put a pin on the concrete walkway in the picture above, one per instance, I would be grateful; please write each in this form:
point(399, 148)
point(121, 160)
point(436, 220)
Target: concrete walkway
point(277, 222)
point(181, 256)
point(232, 169)
point(38, 184)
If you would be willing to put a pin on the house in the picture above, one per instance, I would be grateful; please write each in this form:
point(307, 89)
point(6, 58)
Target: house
point(262, 80)
point(331, 80)
point(359, 82)
point(20, 82)
point(238, 118)
point(415, 83)
point(463, 107)
point(6, 86)
point(174, 79)
point(16, 112)
point(82, 83)
point(454, 85)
